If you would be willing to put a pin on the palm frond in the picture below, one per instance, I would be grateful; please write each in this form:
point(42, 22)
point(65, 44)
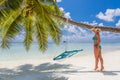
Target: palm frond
point(51, 8)
point(4, 13)
point(10, 18)
point(56, 8)
point(42, 35)
point(10, 30)
point(13, 4)
point(46, 1)
point(2, 1)
point(54, 30)
point(28, 28)
point(8, 7)
point(50, 24)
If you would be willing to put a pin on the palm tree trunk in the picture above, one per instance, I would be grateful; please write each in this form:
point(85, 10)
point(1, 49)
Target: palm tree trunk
point(82, 25)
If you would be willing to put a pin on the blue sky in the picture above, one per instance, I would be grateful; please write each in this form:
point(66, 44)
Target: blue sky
point(94, 12)
point(86, 10)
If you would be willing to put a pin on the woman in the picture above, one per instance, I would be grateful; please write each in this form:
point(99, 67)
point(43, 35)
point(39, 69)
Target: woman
point(97, 49)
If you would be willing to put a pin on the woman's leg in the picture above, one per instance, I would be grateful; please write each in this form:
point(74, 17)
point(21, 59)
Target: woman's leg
point(96, 55)
point(101, 60)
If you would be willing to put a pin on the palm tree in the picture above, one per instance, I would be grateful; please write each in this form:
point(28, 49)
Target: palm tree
point(38, 18)
point(34, 17)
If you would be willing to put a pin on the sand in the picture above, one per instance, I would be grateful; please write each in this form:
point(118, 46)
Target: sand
point(78, 67)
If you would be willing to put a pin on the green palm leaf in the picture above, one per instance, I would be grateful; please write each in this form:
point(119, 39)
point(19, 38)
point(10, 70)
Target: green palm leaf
point(42, 34)
point(49, 2)
point(28, 28)
point(2, 1)
point(13, 4)
point(8, 7)
point(53, 29)
point(51, 25)
point(4, 14)
point(10, 29)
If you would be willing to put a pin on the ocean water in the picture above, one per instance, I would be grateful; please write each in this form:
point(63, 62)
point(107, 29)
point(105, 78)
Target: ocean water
point(17, 50)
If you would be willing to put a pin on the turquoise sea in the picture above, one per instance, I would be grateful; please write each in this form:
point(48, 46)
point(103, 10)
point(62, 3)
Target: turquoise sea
point(17, 50)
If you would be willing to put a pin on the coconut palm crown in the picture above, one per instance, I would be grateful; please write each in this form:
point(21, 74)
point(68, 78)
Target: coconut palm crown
point(34, 17)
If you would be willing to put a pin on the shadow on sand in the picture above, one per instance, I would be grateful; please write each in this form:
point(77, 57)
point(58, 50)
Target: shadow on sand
point(109, 73)
point(46, 71)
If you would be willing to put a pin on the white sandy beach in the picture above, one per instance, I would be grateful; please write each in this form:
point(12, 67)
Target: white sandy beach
point(78, 67)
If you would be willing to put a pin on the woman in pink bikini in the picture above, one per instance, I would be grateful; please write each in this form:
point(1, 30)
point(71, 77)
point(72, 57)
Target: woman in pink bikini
point(97, 49)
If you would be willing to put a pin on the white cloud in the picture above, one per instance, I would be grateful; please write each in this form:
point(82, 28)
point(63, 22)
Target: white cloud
point(67, 15)
point(71, 29)
point(118, 24)
point(109, 35)
point(61, 9)
point(105, 17)
point(75, 33)
point(100, 24)
point(109, 14)
point(94, 23)
point(74, 29)
point(82, 30)
point(59, 0)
